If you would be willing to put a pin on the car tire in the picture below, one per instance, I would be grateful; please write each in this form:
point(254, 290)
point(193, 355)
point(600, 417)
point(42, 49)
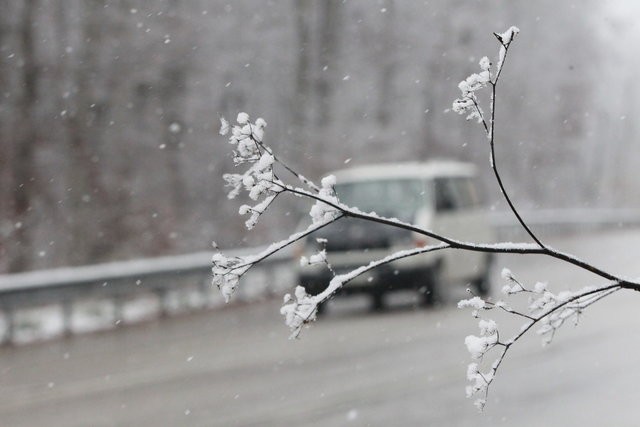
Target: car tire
point(482, 286)
point(430, 294)
point(377, 301)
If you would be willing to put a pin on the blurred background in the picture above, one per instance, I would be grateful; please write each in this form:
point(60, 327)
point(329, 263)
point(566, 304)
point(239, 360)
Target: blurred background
point(109, 150)
point(109, 110)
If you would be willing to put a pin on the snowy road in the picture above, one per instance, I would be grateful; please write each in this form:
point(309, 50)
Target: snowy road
point(404, 367)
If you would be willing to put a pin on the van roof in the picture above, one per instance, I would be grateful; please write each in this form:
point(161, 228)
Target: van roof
point(431, 169)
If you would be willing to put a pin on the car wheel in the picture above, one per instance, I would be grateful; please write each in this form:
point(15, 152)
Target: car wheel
point(482, 285)
point(377, 301)
point(433, 281)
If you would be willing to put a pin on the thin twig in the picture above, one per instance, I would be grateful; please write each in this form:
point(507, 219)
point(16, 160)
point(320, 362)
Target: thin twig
point(456, 244)
point(494, 166)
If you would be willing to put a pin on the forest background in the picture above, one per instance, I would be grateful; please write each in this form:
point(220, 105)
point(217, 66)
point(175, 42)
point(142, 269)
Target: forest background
point(109, 110)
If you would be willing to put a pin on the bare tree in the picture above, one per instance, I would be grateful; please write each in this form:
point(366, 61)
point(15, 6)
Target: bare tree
point(318, 32)
point(23, 159)
point(329, 28)
point(87, 114)
point(389, 64)
point(172, 87)
point(6, 227)
point(302, 70)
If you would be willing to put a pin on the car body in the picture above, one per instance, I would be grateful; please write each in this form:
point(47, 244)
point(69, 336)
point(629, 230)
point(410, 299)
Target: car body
point(441, 196)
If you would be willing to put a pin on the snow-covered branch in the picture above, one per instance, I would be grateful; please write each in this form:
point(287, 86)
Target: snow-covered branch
point(545, 309)
point(262, 184)
point(303, 308)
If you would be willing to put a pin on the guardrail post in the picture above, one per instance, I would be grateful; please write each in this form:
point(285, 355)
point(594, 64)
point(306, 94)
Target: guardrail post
point(270, 279)
point(67, 317)
point(203, 286)
point(11, 324)
point(117, 310)
point(162, 299)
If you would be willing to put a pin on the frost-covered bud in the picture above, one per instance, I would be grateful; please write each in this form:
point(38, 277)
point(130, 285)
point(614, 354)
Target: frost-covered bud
point(476, 346)
point(224, 126)
point(474, 115)
point(266, 161)
point(243, 118)
point(322, 212)
point(300, 292)
point(319, 258)
point(485, 64)
point(261, 123)
point(472, 371)
point(476, 303)
point(464, 86)
point(508, 36)
point(258, 134)
point(328, 181)
point(540, 288)
point(246, 130)
point(248, 181)
point(257, 190)
point(227, 287)
point(461, 105)
point(543, 301)
point(225, 276)
point(513, 286)
point(487, 327)
point(236, 132)
point(506, 274)
point(480, 404)
point(299, 311)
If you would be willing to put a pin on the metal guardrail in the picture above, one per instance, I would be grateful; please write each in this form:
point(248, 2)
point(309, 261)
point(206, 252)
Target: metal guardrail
point(563, 220)
point(119, 281)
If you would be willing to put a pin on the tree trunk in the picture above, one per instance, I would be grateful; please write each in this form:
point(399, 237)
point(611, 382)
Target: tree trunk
point(24, 162)
point(388, 69)
point(302, 81)
point(329, 43)
point(88, 197)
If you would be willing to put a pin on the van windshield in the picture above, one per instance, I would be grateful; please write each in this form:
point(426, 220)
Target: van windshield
point(400, 198)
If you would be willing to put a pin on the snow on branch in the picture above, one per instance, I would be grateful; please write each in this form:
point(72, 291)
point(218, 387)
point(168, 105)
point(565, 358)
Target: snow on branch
point(303, 309)
point(227, 271)
point(546, 310)
point(260, 181)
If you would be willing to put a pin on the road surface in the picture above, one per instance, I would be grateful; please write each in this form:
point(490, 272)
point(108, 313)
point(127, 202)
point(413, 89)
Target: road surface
point(403, 367)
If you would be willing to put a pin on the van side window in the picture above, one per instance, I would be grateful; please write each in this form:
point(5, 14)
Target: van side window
point(445, 195)
point(455, 193)
point(465, 192)
point(474, 195)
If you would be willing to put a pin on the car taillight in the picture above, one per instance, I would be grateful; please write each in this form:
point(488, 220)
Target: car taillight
point(421, 241)
point(298, 249)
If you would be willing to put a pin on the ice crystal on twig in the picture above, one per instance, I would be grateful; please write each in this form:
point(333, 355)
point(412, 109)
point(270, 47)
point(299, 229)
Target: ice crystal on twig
point(298, 310)
point(259, 180)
